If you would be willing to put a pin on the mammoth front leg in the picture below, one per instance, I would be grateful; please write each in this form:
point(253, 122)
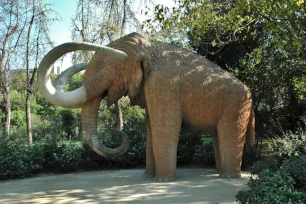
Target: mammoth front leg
point(216, 151)
point(165, 121)
point(150, 163)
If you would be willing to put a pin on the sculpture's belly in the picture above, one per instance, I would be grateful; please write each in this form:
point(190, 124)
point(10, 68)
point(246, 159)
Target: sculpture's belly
point(199, 128)
point(202, 107)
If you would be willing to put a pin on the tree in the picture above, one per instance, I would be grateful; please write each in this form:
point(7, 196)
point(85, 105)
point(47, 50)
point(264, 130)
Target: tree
point(39, 19)
point(284, 19)
point(11, 29)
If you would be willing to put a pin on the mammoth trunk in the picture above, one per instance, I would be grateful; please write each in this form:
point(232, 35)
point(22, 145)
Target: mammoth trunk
point(89, 121)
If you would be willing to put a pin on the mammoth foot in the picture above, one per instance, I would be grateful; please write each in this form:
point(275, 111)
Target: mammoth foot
point(159, 178)
point(230, 175)
point(165, 179)
point(148, 175)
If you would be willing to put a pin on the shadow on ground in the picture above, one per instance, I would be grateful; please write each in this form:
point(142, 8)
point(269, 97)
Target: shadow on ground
point(122, 186)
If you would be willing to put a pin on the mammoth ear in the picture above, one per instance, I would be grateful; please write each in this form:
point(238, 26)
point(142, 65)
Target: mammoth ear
point(141, 72)
point(145, 68)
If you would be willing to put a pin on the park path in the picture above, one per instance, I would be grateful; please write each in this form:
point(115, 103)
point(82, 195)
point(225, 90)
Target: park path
point(193, 185)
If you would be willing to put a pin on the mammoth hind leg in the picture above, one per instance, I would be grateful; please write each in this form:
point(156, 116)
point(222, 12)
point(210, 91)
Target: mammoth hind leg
point(231, 138)
point(216, 151)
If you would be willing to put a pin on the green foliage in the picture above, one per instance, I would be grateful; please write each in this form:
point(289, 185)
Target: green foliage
point(288, 146)
point(272, 163)
point(64, 157)
point(207, 156)
point(281, 176)
point(296, 168)
point(272, 187)
point(18, 118)
point(20, 160)
point(190, 148)
point(282, 20)
point(250, 155)
point(70, 122)
point(135, 128)
point(74, 82)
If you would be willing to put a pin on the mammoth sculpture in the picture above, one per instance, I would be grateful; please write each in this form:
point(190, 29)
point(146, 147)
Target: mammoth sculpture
point(174, 85)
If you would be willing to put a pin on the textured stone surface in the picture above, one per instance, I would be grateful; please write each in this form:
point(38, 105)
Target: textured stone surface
point(175, 86)
point(123, 186)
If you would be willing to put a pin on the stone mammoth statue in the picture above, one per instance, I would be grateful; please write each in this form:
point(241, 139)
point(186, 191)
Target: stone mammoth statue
point(174, 85)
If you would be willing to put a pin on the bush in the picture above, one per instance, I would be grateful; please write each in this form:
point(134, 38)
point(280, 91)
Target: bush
point(91, 160)
point(189, 147)
point(249, 156)
point(271, 163)
point(20, 160)
point(207, 156)
point(296, 168)
point(285, 185)
point(281, 177)
point(65, 157)
point(272, 187)
point(136, 129)
point(288, 146)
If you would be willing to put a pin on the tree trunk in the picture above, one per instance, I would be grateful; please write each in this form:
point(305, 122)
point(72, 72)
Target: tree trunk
point(28, 117)
point(119, 118)
point(9, 31)
point(7, 113)
point(29, 80)
point(4, 86)
point(6, 103)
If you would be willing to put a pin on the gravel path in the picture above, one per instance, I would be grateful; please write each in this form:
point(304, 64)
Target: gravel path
point(193, 185)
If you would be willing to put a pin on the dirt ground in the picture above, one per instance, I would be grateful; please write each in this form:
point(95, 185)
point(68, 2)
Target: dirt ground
point(193, 185)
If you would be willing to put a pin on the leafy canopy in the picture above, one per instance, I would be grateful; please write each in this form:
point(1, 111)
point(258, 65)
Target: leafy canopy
point(284, 20)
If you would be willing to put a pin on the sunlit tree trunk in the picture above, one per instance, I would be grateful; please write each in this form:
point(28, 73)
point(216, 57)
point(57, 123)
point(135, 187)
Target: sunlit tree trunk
point(6, 106)
point(10, 36)
point(38, 21)
point(5, 89)
point(29, 85)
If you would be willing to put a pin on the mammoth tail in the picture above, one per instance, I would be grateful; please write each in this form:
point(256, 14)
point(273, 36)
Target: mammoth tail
point(250, 136)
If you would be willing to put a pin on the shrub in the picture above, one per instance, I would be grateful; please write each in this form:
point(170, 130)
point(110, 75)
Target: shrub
point(91, 160)
point(284, 185)
point(249, 156)
point(136, 129)
point(296, 168)
point(207, 156)
point(64, 157)
point(189, 147)
point(288, 146)
point(272, 187)
point(281, 177)
point(20, 160)
point(271, 163)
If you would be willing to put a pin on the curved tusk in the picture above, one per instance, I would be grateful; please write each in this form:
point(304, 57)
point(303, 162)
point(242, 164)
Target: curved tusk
point(61, 80)
point(67, 99)
point(65, 75)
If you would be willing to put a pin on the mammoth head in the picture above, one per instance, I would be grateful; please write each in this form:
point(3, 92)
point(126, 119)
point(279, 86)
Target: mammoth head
point(74, 98)
point(105, 74)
